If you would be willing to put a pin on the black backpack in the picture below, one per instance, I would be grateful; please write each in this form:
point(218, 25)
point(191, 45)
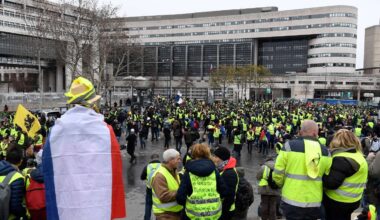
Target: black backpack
point(244, 195)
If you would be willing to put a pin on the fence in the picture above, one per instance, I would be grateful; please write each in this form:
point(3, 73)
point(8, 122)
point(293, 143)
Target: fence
point(32, 100)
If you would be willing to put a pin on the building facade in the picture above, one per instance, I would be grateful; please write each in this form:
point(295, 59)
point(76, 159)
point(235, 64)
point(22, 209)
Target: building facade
point(372, 50)
point(312, 41)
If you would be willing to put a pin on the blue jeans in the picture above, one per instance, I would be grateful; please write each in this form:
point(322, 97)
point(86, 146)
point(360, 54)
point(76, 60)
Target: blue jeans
point(148, 204)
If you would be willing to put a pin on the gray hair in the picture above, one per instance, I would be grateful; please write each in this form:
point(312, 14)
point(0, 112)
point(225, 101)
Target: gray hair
point(169, 155)
point(308, 127)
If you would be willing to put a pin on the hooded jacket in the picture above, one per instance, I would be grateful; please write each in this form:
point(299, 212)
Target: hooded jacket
point(17, 190)
point(202, 168)
point(230, 178)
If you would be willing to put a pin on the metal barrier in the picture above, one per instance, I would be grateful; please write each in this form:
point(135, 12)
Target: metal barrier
point(32, 100)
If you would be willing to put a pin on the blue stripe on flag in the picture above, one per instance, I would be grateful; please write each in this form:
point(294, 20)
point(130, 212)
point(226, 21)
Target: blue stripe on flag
point(47, 163)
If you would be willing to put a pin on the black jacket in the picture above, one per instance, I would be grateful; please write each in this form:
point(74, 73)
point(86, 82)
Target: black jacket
point(341, 168)
point(202, 168)
point(17, 190)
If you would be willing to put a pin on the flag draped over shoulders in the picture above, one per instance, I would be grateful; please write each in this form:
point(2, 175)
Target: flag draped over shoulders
point(83, 168)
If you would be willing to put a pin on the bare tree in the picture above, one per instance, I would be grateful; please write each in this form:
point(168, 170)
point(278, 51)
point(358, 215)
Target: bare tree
point(257, 75)
point(222, 77)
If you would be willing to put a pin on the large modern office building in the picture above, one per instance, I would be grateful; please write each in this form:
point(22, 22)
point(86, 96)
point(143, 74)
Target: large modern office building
point(301, 43)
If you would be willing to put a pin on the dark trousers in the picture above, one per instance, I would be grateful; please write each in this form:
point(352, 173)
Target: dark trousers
point(297, 213)
point(148, 204)
point(268, 207)
point(337, 210)
point(263, 147)
point(178, 143)
point(237, 150)
point(250, 145)
point(167, 142)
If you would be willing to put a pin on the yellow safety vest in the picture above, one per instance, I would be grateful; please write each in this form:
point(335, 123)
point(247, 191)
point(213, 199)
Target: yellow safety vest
point(288, 128)
point(279, 146)
point(372, 212)
point(22, 139)
point(298, 188)
point(257, 131)
point(322, 140)
point(352, 187)
point(358, 132)
point(3, 148)
point(237, 139)
point(150, 170)
point(245, 127)
point(370, 124)
point(204, 202)
point(250, 136)
point(40, 139)
point(235, 123)
point(216, 132)
point(265, 177)
point(271, 129)
point(173, 185)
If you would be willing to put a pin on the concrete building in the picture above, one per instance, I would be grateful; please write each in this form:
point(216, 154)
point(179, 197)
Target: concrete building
point(187, 47)
point(372, 50)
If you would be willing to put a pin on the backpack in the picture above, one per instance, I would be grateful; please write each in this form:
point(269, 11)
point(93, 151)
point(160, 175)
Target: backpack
point(5, 195)
point(244, 195)
point(35, 196)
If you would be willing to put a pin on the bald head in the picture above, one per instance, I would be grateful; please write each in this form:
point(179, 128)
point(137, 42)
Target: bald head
point(309, 128)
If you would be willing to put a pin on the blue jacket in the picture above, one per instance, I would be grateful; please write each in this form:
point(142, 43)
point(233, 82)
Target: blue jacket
point(201, 167)
point(17, 190)
point(37, 174)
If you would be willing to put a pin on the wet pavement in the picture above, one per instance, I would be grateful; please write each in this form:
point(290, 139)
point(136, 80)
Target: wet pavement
point(135, 188)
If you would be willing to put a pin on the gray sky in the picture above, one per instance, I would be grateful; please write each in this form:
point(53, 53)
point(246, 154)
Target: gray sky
point(369, 10)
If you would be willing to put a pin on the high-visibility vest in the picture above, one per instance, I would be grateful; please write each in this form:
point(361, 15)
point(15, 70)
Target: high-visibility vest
point(212, 117)
point(358, 132)
point(271, 129)
point(265, 177)
point(370, 124)
point(278, 146)
point(301, 185)
point(3, 148)
point(250, 136)
point(237, 139)
point(236, 188)
point(204, 202)
point(245, 127)
point(295, 120)
point(235, 123)
point(150, 170)
point(352, 187)
point(274, 120)
point(372, 212)
point(288, 128)
point(173, 185)
point(21, 141)
point(322, 140)
point(216, 132)
point(257, 130)
point(39, 140)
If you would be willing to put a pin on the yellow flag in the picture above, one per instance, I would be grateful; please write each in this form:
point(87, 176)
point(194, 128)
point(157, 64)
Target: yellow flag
point(27, 121)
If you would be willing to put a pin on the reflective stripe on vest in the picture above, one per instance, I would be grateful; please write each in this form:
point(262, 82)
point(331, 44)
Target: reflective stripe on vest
point(205, 200)
point(264, 178)
point(352, 187)
point(173, 185)
point(150, 170)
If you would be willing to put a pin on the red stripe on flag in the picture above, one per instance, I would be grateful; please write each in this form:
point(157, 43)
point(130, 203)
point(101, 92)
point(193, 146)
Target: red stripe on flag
point(118, 195)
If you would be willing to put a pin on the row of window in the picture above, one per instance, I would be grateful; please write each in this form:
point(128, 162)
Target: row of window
point(332, 45)
point(337, 35)
point(318, 55)
point(199, 42)
point(29, 9)
point(331, 65)
point(255, 30)
point(229, 23)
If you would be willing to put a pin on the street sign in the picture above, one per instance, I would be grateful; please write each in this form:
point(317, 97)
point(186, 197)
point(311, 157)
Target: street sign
point(268, 91)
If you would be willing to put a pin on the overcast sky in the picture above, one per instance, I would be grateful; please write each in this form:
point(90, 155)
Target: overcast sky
point(369, 10)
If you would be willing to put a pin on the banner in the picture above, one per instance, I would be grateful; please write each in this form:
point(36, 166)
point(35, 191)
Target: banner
point(27, 121)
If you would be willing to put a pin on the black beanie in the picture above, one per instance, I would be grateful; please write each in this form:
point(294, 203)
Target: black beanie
point(223, 153)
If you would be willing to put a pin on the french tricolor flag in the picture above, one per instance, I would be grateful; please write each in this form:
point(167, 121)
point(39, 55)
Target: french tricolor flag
point(83, 169)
